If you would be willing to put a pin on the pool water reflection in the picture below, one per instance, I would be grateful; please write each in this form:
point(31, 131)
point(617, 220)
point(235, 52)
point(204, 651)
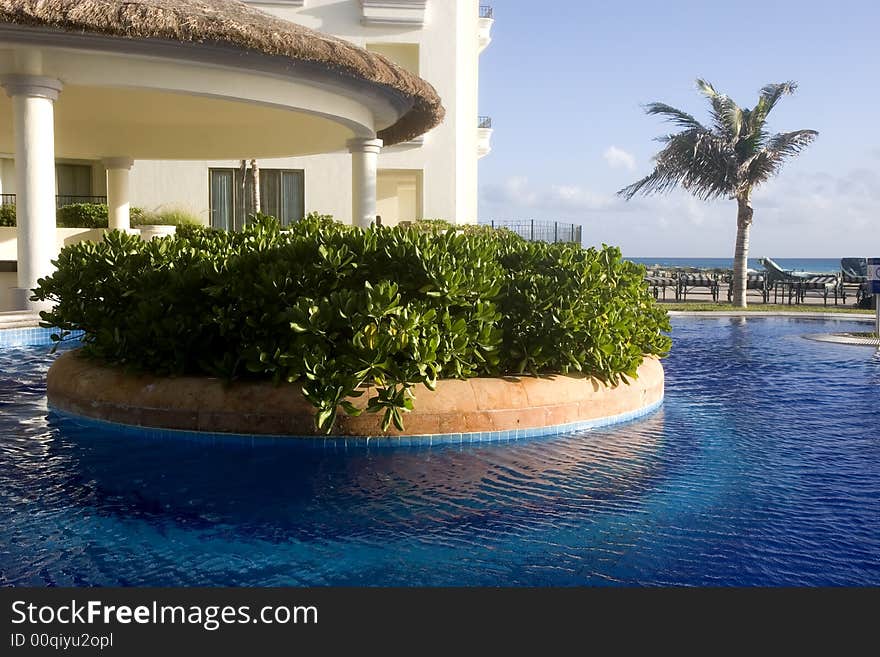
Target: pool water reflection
point(761, 468)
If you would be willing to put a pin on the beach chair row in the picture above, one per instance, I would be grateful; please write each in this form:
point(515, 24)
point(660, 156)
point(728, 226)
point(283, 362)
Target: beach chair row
point(765, 285)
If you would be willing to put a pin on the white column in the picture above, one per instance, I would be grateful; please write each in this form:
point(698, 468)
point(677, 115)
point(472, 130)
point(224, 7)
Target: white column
point(33, 110)
point(364, 165)
point(119, 192)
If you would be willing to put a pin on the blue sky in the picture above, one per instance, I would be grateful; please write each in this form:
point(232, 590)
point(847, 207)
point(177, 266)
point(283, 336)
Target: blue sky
point(565, 81)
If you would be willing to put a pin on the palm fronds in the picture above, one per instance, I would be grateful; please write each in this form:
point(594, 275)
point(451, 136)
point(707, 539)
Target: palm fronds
point(770, 95)
point(788, 144)
point(731, 157)
point(676, 116)
point(694, 159)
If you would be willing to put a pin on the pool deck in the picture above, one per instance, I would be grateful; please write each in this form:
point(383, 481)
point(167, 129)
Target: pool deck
point(18, 319)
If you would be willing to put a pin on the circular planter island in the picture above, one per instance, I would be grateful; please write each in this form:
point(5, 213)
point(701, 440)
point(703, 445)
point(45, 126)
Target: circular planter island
point(457, 411)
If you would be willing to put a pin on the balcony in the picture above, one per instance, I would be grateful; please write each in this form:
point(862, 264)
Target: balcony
point(393, 13)
point(486, 21)
point(60, 200)
point(484, 136)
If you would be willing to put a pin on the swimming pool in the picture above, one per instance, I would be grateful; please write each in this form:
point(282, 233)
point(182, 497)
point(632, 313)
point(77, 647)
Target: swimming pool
point(762, 467)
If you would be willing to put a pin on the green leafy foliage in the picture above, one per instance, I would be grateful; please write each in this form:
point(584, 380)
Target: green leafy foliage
point(95, 215)
point(334, 308)
point(163, 217)
point(82, 215)
point(7, 216)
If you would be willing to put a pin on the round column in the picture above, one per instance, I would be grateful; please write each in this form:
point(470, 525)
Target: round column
point(119, 192)
point(364, 166)
point(33, 111)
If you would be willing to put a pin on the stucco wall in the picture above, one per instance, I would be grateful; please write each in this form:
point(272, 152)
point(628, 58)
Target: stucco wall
point(9, 251)
point(448, 59)
point(7, 281)
point(64, 236)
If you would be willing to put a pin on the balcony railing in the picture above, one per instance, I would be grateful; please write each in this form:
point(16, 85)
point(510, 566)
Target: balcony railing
point(486, 11)
point(60, 200)
point(540, 231)
point(484, 122)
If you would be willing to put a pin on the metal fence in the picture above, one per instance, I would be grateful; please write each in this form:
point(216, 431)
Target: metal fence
point(61, 200)
point(486, 11)
point(536, 230)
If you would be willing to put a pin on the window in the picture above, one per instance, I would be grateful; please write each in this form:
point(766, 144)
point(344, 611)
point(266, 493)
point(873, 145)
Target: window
point(282, 195)
point(73, 180)
point(222, 199)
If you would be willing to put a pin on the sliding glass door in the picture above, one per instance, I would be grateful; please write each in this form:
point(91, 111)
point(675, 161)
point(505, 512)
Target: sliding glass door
point(222, 199)
point(282, 195)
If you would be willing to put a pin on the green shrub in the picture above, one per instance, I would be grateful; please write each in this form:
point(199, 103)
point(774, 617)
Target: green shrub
point(136, 216)
point(82, 215)
point(441, 225)
point(7, 216)
point(431, 225)
point(165, 217)
point(334, 307)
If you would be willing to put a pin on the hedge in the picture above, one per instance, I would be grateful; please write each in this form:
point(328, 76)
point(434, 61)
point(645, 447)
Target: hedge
point(7, 216)
point(333, 307)
point(96, 215)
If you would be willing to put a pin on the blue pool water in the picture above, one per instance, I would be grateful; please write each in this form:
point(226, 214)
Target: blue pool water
point(763, 467)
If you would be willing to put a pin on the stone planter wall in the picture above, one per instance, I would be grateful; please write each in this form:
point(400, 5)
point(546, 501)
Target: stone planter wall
point(487, 407)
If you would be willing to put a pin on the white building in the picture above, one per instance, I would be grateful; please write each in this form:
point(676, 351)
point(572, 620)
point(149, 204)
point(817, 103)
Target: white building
point(154, 104)
point(434, 176)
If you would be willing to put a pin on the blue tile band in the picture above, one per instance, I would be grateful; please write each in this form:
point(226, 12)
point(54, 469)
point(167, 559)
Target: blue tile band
point(355, 441)
point(30, 336)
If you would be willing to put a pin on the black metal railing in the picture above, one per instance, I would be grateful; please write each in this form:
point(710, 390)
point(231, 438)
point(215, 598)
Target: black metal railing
point(484, 121)
point(536, 230)
point(486, 11)
point(60, 200)
point(66, 199)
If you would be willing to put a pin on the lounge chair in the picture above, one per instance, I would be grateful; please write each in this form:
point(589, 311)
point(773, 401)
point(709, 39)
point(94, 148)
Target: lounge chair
point(854, 277)
point(754, 281)
point(689, 282)
point(658, 281)
point(796, 284)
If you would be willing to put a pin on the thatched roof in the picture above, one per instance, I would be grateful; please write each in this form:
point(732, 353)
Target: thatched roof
point(234, 24)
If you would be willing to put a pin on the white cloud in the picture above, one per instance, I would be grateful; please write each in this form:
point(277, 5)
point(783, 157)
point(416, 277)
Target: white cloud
point(512, 191)
point(806, 214)
point(578, 198)
point(838, 202)
point(517, 194)
point(617, 158)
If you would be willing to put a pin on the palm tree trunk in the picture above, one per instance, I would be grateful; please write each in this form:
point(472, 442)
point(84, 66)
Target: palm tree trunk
point(255, 172)
point(242, 196)
point(741, 255)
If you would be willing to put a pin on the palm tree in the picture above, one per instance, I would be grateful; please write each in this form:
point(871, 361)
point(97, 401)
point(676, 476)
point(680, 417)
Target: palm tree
point(729, 159)
point(255, 186)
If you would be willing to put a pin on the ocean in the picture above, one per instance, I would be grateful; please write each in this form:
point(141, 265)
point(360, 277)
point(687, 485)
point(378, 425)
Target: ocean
point(815, 265)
